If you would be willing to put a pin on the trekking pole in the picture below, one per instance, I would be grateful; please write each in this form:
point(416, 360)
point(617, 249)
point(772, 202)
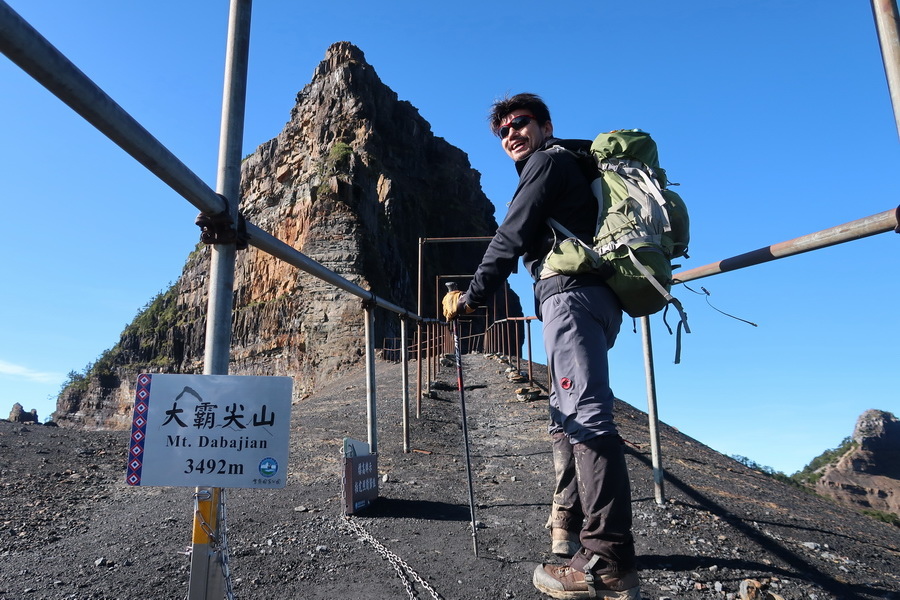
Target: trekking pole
point(451, 286)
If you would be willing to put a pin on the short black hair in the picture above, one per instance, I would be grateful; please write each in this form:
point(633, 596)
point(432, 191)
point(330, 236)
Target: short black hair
point(504, 106)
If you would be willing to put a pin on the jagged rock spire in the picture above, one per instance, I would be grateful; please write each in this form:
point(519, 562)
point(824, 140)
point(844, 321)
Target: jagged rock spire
point(353, 180)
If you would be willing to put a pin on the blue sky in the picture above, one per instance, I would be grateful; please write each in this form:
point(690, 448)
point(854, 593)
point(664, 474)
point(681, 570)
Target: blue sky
point(773, 115)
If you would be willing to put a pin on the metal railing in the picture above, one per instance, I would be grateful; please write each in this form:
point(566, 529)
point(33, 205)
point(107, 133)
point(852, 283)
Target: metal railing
point(25, 47)
point(883, 222)
point(36, 56)
point(28, 49)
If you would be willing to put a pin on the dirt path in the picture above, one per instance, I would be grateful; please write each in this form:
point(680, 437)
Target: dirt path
point(70, 527)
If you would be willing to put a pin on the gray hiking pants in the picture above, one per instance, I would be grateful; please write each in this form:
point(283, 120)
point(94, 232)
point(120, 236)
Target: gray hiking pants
point(579, 328)
point(593, 492)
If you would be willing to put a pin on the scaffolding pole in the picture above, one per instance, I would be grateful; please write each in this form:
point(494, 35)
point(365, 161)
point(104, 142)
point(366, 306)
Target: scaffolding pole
point(887, 25)
point(207, 579)
point(883, 222)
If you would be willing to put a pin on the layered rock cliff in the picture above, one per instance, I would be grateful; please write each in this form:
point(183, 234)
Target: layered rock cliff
point(353, 181)
point(868, 475)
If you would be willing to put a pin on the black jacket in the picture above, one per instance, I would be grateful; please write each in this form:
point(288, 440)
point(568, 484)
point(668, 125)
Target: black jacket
point(552, 183)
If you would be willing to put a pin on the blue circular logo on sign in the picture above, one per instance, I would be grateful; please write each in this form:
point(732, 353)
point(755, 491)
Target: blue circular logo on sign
point(268, 467)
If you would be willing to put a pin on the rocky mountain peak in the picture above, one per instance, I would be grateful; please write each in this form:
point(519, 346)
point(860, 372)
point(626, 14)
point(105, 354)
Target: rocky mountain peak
point(354, 180)
point(868, 475)
point(18, 414)
point(877, 431)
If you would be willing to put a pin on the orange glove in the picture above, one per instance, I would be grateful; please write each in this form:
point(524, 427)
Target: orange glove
point(454, 304)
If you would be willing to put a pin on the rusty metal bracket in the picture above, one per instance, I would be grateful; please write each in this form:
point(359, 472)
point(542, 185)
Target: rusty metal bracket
point(219, 228)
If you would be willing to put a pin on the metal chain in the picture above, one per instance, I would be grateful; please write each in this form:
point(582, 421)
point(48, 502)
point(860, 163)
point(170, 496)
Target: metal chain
point(403, 570)
point(218, 544)
point(224, 551)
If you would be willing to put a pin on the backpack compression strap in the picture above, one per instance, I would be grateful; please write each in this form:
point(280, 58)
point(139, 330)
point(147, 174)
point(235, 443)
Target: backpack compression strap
point(670, 299)
point(637, 264)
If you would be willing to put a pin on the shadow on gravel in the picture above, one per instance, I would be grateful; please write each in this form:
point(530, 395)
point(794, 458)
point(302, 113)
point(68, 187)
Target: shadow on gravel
point(453, 387)
point(802, 569)
point(398, 508)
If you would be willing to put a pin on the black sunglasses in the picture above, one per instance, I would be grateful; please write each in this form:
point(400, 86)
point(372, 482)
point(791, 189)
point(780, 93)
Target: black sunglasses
point(516, 123)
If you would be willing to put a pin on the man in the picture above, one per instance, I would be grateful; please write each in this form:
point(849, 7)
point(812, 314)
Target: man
point(581, 318)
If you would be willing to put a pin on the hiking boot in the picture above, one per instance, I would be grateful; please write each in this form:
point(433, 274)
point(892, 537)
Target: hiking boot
point(566, 583)
point(564, 543)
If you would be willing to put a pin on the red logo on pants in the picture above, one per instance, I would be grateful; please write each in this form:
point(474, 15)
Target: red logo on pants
point(565, 383)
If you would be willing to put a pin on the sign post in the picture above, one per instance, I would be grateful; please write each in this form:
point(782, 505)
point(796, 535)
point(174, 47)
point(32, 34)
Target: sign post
point(360, 483)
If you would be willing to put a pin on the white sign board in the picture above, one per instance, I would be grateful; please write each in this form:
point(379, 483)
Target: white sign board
point(221, 431)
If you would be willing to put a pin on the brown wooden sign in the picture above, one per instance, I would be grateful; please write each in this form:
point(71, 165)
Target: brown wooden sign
point(360, 476)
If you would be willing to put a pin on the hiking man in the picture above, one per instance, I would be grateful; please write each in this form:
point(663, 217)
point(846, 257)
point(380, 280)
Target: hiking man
point(590, 516)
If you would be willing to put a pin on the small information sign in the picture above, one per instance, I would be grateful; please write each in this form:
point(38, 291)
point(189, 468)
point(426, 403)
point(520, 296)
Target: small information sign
point(360, 476)
point(224, 431)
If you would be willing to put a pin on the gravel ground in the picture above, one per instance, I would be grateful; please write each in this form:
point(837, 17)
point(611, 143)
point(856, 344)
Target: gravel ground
point(70, 527)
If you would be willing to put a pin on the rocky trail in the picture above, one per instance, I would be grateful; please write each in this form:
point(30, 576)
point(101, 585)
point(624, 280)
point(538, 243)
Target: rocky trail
point(70, 528)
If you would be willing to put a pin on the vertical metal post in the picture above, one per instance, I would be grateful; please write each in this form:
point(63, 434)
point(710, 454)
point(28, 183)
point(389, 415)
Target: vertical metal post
point(429, 352)
point(507, 342)
point(515, 345)
point(659, 491)
point(419, 331)
point(530, 362)
point(434, 349)
point(207, 580)
point(887, 24)
point(404, 383)
point(371, 407)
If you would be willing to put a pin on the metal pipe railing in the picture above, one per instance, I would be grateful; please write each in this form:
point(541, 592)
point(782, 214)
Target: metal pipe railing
point(887, 25)
point(27, 48)
point(527, 321)
point(404, 385)
point(371, 406)
point(652, 414)
point(420, 291)
point(23, 45)
point(883, 222)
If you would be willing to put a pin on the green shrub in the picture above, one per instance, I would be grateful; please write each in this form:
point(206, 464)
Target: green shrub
point(765, 470)
point(77, 382)
point(810, 474)
point(885, 517)
point(339, 157)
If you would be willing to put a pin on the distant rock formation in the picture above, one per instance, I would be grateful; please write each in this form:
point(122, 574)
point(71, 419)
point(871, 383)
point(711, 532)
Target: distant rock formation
point(868, 475)
point(353, 181)
point(18, 414)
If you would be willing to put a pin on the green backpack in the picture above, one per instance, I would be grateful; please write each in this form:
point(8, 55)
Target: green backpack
point(641, 226)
